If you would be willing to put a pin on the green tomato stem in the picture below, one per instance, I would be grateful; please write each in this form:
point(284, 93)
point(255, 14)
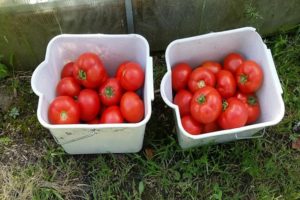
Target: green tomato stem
point(64, 115)
point(109, 92)
point(82, 74)
point(251, 100)
point(224, 105)
point(243, 79)
point(201, 99)
point(201, 84)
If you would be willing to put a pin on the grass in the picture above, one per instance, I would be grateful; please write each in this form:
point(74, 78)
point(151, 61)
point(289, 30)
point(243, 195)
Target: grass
point(33, 166)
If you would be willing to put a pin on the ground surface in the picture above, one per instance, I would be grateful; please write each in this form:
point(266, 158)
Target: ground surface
point(33, 166)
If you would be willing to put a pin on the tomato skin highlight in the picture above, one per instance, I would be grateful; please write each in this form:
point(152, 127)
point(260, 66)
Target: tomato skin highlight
point(191, 126)
point(232, 61)
point(206, 105)
point(212, 66)
point(89, 70)
point(234, 114)
point(89, 103)
point(199, 78)
point(132, 107)
point(64, 110)
point(112, 115)
point(249, 77)
point(226, 84)
point(182, 99)
point(110, 92)
point(68, 86)
point(252, 104)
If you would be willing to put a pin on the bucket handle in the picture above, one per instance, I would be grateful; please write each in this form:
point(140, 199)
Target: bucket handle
point(251, 137)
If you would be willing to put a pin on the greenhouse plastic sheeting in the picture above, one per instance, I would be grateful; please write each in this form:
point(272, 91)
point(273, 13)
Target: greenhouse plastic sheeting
point(27, 26)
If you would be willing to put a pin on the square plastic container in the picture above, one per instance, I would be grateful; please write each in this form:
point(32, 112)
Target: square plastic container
point(113, 50)
point(215, 46)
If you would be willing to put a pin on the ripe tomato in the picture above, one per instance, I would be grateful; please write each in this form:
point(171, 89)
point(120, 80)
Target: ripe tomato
point(131, 76)
point(249, 77)
point(210, 127)
point(132, 107)
point(252, 104)
point(182, 99)
point(67, 70)
point(234, 114)
point(212, 66)
point(120, 70)
point(232, 61)
point(94, 121)
point(110, 92)
point(89, 70)
point(206, 105)
point(89, 103)
point(68, 86)
point(191, 126)
point(201, 77)
point(180, 76)
point(111, 115)
point(63, 110)
point(226, 84)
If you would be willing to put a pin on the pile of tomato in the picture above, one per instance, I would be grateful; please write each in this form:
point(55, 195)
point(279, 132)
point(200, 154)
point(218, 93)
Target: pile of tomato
point(86, 94)
point(213, 97)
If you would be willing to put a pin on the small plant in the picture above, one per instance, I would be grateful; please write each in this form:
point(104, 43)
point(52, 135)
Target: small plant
point(5, 140)
point(14, 112)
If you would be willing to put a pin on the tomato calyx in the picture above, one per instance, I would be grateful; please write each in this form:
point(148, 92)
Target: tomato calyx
point(82, 74)
point(109, 92)
point(201, 84)
point(201, 99)
point(251, 100)
point(243, 79)
point(64, 115)
point(224, 105)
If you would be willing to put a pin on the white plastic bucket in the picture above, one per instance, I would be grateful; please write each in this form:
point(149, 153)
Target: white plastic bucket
point(113, 50)
point(215, 46)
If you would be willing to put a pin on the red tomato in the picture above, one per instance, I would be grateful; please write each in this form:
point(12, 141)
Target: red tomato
point(89, 103)
point(252, 104)
point(201, 77)
point(232, 61)
point(182, 99)
point(234, 114)
point(132, 107)
point(94, 121)
point(63, 110)
point(89, 70)
point(249, 77)
point(67, 70)
point(120, 70)
point(210, 127)
point(191, 126)
point(110, 92)
point(226, 84)
point(112, 115)
point(68, 86)
point(180, 76)
point(214, 67)
point(131, 76)
point(206, 105)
